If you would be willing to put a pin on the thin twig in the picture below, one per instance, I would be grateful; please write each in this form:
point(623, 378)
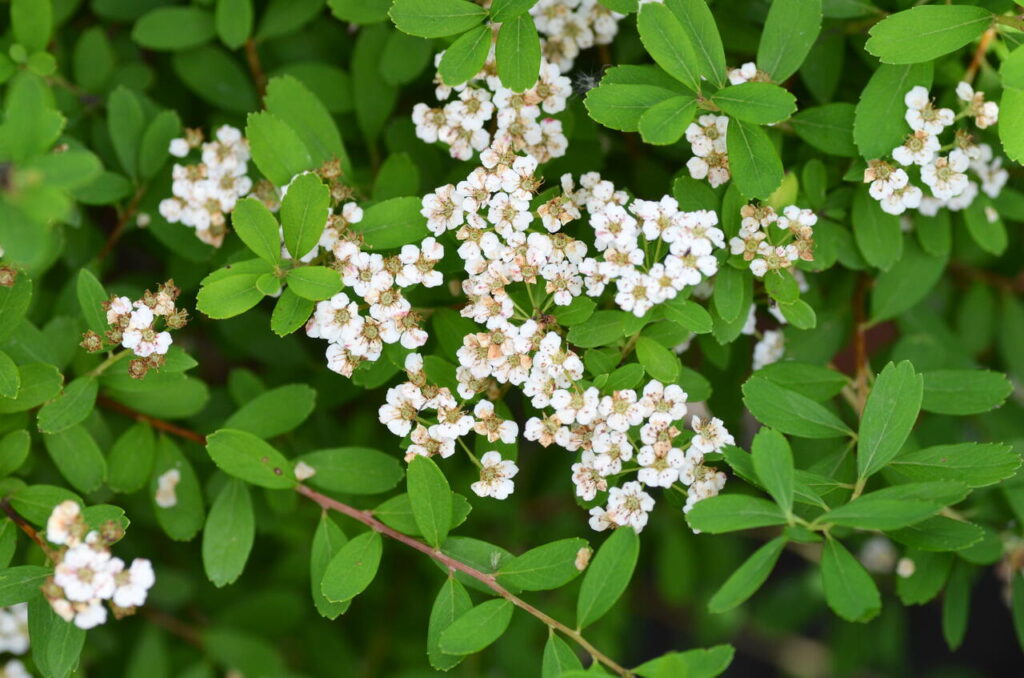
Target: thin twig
point(20, 521)
point(860, 345)
point(252, 57)
point(160, 424)
point(979, 54)
point(489, 580)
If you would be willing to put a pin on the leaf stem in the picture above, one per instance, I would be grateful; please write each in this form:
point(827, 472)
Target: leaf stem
point(20, 521)
point(122, 220)
point(252, 58)
point(489, 580)
point(159, 424)
point(106, 364)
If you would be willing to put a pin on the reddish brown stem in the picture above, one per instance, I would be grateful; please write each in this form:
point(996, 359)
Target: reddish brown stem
point(20, 521)
point(860, 345)
point(252, 57)
point(160, 424)
point(122, 222)
point(979, 54)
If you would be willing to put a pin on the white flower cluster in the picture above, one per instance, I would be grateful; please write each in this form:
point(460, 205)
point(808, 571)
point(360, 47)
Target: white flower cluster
point(794, 237)
point(707, 142)
point(502, 246)
point(373, 311)
point(568, 26)
point(945, 175)
point(461, 123)
point(748, 72)
point(86, 574)
point(208, 190)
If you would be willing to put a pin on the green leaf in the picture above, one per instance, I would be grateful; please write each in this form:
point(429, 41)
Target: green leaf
point(126, 123)
point(244, 455)
point(773, 462)
point(31, 125)
point(849, 589)
point(938, 534)
point(431, 499)
point(828, 128)
point(169, 29)
point(304, 213)
point(93, 59)
point(290, 313)
point(1011, 106)
point(790, 412)
point(928, 578)
point(360, 11)
point(39, 382)
point(155, 140)
point(466, 56)
point(989, 233)
point(14, 303)
point(503, 10)
point(218, 79)
point(131, 459)
point(668, 43)
point(699, 663)
point(258, 229)
point(274, 412)
point(659, 362)
point(877, 233)
point(32, 21)
point(56, 644)
point(91, 296)
point(314, 282)
point(753, 160)
point(398, 177)
point(14, 447)
point(277, 150)
point(887, 509)
point(603, 327)
point(927, 32)
point(975, 464)
point(185, 518)
point(789, 33)
point(299, 108)
point(517, 53)
point(747, 578)
point(815, 382)
point(71, 407)
point(353, 470)
point(879, 124)
point(452, 602)
point(229, 533)
point(397, 512)
point(10, 377)
point(758, 102)
point(392, 223)
point(233, 20)
point(283, 17)
point(909, 281)
point(957, 602)
point(576, 312)
point(353, 568)
point(889, 415)
point(964, 392)
point(689, 314)
point(228, 296)
point(435, 18)
point(558, 657)
point(698, 22)
point(665, 123)
point(21, 583)
point(77, 457)
point(327, 541)
point(620, 106)
point(477, 628)
point(732, 512)
point(607, 576)
point(544, 567)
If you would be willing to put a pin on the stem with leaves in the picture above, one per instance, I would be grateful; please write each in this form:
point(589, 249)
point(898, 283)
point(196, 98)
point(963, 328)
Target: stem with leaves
point(367, 518)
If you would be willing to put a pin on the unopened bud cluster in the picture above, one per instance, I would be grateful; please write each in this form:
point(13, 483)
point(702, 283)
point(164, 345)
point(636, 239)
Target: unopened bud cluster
point(86, 575)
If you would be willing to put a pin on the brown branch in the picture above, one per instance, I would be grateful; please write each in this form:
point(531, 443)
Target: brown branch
point(122, 222)
point(860, 345)
point(488, 580)
point(20, 521)
point(979, 54)
point(173, 625)
point(252, 57)
point(160, 424)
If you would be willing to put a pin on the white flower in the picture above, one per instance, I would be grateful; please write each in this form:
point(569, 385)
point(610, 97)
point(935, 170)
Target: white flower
point(586, 478)
point(14, 629)
point(664, 404)
point(85, 574)
point(945, 175)
point(63, 518)
point(401, 409)
point(769, 349)
point(711, 436)
point(443, 209)
point(621, 410)
point(495, 476)
point(919, 148)
point(133, 584)
point(179, 147)
point(304, 471)
point(166, 496)
point(922, 115)
point(745, 73)
point(629, 505)
point(15, 669)
point(659, 468)
point(336, 319)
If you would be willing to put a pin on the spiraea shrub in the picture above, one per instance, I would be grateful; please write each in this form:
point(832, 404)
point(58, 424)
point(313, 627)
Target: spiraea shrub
point(553, 338)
